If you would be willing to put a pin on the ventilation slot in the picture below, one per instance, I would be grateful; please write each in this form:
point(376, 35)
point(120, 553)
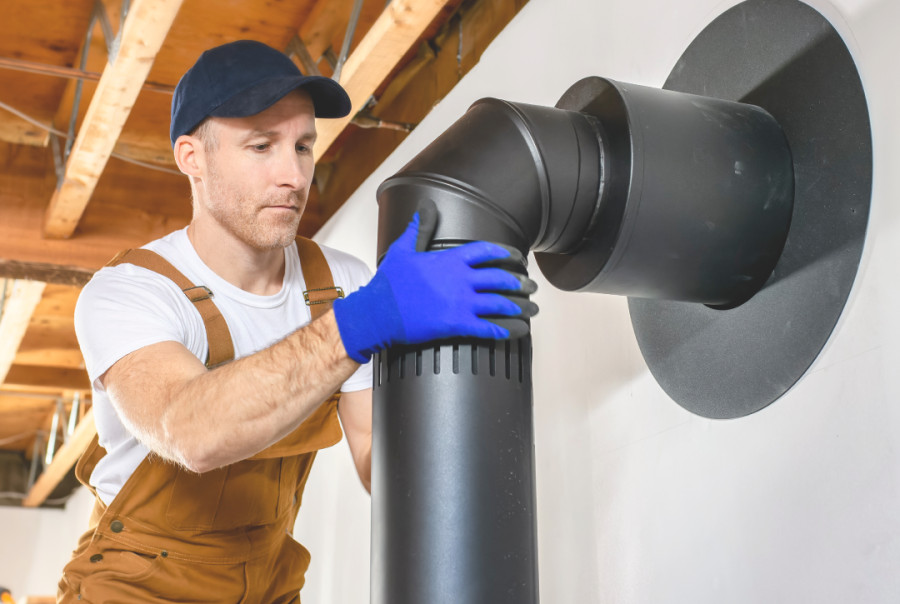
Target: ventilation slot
point(521, 350)
point(403, 366)
point(437, 360)
point(456, 358)
point(507, 358)
point(418, 362)
point(493, 359)
point(474, 359)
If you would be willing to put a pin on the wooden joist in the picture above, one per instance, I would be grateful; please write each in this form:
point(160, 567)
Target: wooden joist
point(387, 42)
point(36, 378)
point(65, 458)
point(14, 129)
point(48, 273)
point(144, 30)
point(17, 311)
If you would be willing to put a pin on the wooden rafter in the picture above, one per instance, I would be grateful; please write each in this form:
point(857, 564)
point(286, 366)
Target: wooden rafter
point(48, 273)
point(37, 378)
point(17, 312)
point(143, 33)
point(65, 458)
point(387, 42)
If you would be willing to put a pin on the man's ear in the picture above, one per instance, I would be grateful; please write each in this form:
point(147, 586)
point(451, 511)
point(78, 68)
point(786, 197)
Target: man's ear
point(189, 155)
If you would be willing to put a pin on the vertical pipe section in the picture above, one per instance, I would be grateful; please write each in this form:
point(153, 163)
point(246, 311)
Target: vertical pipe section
point(453, 494)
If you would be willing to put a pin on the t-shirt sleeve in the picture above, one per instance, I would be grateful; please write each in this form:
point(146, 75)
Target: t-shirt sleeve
point(351, 273)
point(125, 308)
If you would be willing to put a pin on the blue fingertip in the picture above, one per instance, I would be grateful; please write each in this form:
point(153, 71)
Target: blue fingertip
point(502, 249)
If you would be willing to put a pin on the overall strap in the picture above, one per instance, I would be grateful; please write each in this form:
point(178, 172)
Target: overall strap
point(320, 289)
point(221, 348)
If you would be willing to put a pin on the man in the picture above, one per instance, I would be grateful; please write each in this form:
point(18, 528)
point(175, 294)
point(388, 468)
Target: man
point(214, 352)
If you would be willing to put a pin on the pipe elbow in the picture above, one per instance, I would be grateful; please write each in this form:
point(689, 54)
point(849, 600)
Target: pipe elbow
point(522, 175)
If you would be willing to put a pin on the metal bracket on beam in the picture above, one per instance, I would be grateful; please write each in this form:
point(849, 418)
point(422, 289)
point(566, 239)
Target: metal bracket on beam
point(329, 57)
point(348, 40)
point(113, 48)
point(59, 164)
point(98, 14)
point(367, 120)
point(297, 48)
point(73, 415)
point(35, 458)
point(54, 431)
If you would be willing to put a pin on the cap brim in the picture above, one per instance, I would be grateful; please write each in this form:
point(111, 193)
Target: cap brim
point(329, 97)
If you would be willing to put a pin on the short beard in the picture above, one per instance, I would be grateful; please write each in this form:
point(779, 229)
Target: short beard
point(242, 214)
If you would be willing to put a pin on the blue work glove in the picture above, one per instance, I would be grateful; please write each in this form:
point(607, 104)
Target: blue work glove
point(418, 296)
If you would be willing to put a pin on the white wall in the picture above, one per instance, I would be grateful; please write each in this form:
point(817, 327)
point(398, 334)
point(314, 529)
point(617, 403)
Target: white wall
point(35, 544)
point(638, 500)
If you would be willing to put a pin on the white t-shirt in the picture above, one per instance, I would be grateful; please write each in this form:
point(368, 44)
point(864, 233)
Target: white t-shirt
point(126, 307)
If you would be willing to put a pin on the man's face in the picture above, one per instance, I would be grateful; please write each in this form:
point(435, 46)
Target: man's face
point(259, 170)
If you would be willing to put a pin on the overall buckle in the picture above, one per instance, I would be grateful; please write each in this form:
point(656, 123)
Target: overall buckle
point(198, 296)
point(322, 298)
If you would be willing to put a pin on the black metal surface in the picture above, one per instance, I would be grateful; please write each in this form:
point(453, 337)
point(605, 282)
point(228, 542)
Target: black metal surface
point(699, 202)
point(453, 496)
point(521, 175)
point(785, 57)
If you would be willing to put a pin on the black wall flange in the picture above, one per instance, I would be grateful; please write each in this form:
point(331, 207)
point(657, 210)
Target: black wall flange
point(784, 56)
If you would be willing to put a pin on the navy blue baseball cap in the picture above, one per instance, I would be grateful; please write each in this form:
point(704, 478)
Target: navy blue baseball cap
point(244, 78)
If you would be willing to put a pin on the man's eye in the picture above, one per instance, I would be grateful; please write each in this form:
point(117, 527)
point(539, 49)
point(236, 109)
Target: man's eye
point(302, 148)
point(261, 146)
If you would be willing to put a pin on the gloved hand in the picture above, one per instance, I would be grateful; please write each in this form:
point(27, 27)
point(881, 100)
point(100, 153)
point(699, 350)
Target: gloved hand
point(418, 296)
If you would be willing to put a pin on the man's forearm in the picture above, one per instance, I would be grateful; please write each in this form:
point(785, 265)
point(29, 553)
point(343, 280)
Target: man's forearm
point(249, 404)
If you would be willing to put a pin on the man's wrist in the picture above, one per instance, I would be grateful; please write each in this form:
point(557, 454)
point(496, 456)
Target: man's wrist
point(367, 318)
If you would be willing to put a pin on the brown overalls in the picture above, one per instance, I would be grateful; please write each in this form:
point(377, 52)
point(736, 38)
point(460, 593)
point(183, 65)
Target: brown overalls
point(171, 535)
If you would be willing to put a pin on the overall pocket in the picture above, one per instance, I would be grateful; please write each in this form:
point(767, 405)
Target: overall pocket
point(130, 577)
point(246, 493)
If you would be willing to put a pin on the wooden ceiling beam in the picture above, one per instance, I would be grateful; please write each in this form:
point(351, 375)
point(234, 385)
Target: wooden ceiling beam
point(14, 129)
point(396, 31)
point(48, 273)
point(143, 33)
point(17, 310)
point(66, 457)
point(35, 378)
point(50, 340)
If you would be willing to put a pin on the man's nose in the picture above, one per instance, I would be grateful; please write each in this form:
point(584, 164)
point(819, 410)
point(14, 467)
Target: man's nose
point(291, 171)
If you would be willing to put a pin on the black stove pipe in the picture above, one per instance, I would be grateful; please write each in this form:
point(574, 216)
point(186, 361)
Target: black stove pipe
point(619, 189)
